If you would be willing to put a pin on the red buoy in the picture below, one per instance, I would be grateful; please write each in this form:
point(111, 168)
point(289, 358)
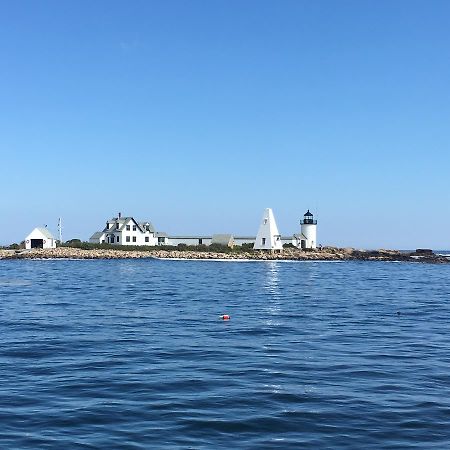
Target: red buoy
point(225, 317)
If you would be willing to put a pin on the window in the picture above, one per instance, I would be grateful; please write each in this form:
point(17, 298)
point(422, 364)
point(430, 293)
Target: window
point(117, 226)
point(134, 238)
point(107, 225)
point(147, 239)
point(263, 241)
point(117, 239)
point(265, 221)
point(127, 238)
point(128, 227)
point(134, 227)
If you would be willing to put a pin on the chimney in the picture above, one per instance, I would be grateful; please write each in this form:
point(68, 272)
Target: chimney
point(120, 215)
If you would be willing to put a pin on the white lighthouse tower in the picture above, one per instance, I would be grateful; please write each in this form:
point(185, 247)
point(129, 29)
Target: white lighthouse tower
point(268, 237)
point(308, 231)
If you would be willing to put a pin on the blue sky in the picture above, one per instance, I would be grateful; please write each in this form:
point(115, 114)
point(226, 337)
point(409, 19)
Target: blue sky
point(197, 115)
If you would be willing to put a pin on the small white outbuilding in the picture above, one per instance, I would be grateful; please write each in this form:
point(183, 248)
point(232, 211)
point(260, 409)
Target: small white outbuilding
point(268, 237)
point(40, 238)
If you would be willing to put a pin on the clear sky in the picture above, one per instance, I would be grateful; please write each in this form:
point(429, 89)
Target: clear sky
point(197, 115)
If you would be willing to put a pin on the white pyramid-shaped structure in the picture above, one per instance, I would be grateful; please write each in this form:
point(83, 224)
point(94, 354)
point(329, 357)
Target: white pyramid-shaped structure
point(268, 237)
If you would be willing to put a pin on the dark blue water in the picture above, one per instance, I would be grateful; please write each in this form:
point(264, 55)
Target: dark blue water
point(131, 354)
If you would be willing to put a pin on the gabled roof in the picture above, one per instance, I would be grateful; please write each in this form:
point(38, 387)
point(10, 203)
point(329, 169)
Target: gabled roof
point(122, 221)
point(45, 232)
point(149, 224)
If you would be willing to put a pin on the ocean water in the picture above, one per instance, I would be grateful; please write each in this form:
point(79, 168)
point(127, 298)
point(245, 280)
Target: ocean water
point(131, 354)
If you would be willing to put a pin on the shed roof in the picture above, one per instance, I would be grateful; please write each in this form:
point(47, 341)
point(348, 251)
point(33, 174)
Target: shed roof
point(97, 235)
point(224, 239)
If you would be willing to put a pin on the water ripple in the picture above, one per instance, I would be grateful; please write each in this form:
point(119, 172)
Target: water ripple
point(132, 354)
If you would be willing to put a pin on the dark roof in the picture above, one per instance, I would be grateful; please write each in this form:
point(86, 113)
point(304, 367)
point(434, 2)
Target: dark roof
point(307, 213)
point(122, 222)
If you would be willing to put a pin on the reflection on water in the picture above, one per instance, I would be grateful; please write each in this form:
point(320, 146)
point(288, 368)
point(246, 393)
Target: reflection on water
point(272, 278)
point(273, 288)
point(13, 282)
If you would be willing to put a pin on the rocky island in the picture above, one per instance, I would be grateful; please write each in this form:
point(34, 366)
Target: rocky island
point(288, 254)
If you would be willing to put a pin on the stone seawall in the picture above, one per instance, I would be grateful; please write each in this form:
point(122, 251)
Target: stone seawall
point(326, 254)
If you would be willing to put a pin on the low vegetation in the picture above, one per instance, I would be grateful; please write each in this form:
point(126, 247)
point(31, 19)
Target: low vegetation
point(216, 248)
point(14, 246)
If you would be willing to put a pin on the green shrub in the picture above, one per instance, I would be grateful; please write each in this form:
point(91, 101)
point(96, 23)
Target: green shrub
point(73, 241)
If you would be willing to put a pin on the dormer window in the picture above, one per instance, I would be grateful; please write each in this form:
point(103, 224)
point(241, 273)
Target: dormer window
point(117, 226)
point(107, 225)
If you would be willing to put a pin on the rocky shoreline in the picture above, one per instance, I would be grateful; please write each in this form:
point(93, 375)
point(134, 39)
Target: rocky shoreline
point(290, 254)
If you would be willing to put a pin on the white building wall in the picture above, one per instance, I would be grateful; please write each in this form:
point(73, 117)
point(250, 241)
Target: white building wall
point(190, 240)
point(134, 236)
point(137, 238)
point(36, 234)
point(239, 240)
point(287, 240)
point(309, 230)
point(268, 237)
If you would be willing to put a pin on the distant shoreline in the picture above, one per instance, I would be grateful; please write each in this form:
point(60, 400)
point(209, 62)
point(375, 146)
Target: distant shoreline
point(289, 254)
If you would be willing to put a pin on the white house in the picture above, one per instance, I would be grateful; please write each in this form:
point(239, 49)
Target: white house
point(268, 237)
point(126, 231)
point(40, 238)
